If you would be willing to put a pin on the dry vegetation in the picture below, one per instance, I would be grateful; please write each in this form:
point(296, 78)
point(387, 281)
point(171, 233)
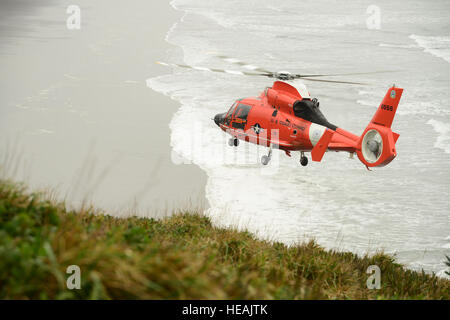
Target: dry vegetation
point(181, 257)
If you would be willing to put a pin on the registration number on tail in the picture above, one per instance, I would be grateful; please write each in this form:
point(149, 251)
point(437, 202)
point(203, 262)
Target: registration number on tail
point(386, 107)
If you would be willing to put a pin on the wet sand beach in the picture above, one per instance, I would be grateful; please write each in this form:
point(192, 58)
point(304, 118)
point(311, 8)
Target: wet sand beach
point(76, 115)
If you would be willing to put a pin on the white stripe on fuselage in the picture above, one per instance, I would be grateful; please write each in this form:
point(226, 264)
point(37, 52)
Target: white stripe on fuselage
point(315, 133)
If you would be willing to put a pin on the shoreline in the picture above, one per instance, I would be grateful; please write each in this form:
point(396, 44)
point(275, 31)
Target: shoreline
point(319, 202)
point(85, 121)
point(181, 257)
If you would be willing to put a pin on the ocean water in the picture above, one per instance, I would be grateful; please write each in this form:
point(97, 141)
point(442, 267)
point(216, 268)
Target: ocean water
point(403, 208)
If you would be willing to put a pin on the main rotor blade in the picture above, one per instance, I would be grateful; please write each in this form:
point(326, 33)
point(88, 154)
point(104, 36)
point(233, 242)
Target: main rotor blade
point(342, 74)
point(268, 73)
point(243, 64)
point(247, 73)
point(334, 81)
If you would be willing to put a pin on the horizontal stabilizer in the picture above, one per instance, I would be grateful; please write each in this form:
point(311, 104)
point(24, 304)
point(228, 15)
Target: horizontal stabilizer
point(396, 135)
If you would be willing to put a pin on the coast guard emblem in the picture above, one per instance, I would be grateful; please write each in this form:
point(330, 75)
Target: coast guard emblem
point(393, 94)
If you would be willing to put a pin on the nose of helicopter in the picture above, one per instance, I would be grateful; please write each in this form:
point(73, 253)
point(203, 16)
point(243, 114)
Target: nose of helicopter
point(218, 118)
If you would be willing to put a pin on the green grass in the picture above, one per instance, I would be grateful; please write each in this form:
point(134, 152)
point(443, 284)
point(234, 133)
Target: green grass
point(180, 257)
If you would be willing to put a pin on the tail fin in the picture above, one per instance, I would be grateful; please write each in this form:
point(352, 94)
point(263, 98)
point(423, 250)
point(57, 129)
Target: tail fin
point(386, 111)
point(376, 146)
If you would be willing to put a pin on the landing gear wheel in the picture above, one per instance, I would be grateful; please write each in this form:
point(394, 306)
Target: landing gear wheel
point(304, 161)
point(233, 142)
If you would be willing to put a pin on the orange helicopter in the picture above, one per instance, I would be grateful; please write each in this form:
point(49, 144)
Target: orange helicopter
point(285, 117)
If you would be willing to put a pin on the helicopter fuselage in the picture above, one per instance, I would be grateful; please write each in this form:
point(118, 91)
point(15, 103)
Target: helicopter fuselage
point(283, 118)
point(270, 119)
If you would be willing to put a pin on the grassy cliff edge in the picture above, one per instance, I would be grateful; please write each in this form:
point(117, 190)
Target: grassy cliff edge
point(179, 257)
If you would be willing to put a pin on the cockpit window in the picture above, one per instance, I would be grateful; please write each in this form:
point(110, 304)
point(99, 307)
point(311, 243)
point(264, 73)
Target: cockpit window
point(242, 111)
point(232, 107)
point(240, 116)
point(230, 114)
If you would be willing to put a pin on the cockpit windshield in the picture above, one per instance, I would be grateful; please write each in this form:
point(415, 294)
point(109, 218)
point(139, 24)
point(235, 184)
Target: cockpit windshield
point(230, 114)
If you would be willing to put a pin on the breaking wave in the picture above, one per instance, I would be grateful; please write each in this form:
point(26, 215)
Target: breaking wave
point(437, 46)
point(443, 139)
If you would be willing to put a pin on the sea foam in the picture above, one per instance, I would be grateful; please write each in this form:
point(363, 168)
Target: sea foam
point(443, 129)
point(437, 46)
